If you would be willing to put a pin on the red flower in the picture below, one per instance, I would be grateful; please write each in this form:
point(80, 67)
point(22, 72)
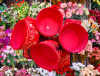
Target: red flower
point(91, 11)
point(97, 11)
point(68, 68)
point(98, 19)
point(65, 70)
point(16, 0)
point(19, 4)
point(93, 17)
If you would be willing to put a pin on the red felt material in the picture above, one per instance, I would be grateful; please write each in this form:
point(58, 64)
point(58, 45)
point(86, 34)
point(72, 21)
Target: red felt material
point(73, 37)
point(18, 34)
point(64, 59)
point(24, 35)
point(49, 21)
point(67, 21)
point(45, 54)
point(31, 20)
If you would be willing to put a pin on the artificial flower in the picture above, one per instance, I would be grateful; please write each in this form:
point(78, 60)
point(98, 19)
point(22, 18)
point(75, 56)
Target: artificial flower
point(74, 4)
point(68, 14)
point(63, 5)
point(70, 4)
point(77, 12)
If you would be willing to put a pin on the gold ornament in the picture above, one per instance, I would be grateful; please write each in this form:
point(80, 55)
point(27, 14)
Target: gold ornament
point(1, 1)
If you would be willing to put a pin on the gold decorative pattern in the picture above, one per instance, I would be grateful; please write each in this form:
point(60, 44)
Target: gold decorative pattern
point(29, 41)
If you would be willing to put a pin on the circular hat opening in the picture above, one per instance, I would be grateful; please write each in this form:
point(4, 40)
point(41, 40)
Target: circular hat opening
point(73, 37)
point(49, 21)
point(45, 56)
point(18, 34)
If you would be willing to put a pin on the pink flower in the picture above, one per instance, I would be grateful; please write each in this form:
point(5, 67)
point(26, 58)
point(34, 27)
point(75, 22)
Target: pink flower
point(93, 40)
point(74, 4)
point(97, 58)
point(89, 49)
point(97, 33)
point(4, 56)
point(81, 12)
point(77, 12)
point(69, 3)
point(29, 59)
point(63, 5)
point(8, 60)
point(2, 61)
point(68, 14)
point(7, 55)
point(11, 51)
point(14, 54)
point(73, 10)
point(6, 51)
point(9, 34)
point(97, 37)
point(0, 56)
point(61, 10)
point(1, 50)
point(82, 7)
point(82, 52)
point(89, 42)
point(69, 10)
point(6, 69)
point(25, 63)
point(4, 66)
point(16, 60)
point(8, 47)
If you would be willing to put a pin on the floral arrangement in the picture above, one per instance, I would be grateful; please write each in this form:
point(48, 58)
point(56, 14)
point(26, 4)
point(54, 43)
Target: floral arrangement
point(22, 60)
point(73, 11)
point(2, 8)
point(95, 15)
point(89, 70)
point(94, 56)
point(36, 7)
point(9, 56)
point(10, 71)
point(11, 15)
point(64, 70)
point(77, 67)
point(97, 67)
point(82, 55)
point(14, 13)
point(4, 37)
point(96, 40)
point(90, 26)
